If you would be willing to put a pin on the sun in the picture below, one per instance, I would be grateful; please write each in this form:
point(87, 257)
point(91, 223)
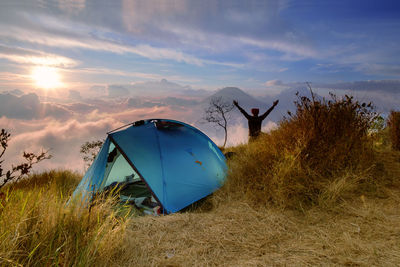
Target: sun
point(46, 77)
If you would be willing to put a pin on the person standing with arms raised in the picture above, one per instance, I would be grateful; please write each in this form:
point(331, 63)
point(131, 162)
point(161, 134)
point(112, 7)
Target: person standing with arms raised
point(255, 121)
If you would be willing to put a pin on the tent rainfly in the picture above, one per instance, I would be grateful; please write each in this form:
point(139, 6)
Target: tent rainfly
point(172, 162)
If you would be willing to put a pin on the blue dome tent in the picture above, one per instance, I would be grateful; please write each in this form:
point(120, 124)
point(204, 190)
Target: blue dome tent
point(170, 161)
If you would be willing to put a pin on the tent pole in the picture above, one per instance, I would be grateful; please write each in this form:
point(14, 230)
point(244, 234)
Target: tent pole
point(123, 126)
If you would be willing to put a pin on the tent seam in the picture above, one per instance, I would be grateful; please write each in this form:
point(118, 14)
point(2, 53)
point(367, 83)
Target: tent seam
point(162, 167)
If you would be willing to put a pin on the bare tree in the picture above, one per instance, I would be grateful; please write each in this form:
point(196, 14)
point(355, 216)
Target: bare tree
point(21, 170)
point(218, 113)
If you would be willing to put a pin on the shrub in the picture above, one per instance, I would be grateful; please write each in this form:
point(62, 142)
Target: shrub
point(332, 133)
point(21, 170)
point(296, 164)
point(394, 129)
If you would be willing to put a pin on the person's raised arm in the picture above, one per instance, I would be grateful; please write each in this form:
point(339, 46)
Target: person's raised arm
point(263, 116)
point(241, 110)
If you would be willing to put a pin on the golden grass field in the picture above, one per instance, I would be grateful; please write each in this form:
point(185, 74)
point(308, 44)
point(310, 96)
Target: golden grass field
point(37, 230)
point(292, 198)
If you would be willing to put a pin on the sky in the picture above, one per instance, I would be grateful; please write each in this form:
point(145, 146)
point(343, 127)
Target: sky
point(206, 44)
point(71, 70)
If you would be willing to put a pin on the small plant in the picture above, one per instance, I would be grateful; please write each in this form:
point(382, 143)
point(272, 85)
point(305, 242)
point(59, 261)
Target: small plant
point(394, 129)
point(21, 170)
point(378, 124)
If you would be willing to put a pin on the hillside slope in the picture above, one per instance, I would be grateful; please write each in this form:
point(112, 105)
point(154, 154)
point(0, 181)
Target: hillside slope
point(223, 232)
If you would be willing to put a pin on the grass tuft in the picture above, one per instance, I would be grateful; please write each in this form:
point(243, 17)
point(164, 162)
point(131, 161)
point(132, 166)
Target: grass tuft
point(39, 229)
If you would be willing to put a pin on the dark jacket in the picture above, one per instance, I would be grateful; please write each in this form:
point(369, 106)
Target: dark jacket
point(254, 121)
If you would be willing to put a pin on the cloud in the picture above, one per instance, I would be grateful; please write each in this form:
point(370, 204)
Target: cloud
point(175, 31)
point(273, 83)
point(64, 138)
point(362, 53)
point(387, 86)
point(72, 6)
point(74, 95)
point(172, 102)
point(161, 88)
point(80, 108)
point(215, 24)
point(156, 88)
point(385, 94)
point(238, 133)
point(96, 43)
point(34, 57)
point(382, 69)
point(63, 128)
point(15, 92)
point(138, 77)
point(289, 47)
point(98, 89)
point(177, 101)
point(29, 107)
point(117, 91)
point(10, 80)
point(139, 103)
point(220, 33)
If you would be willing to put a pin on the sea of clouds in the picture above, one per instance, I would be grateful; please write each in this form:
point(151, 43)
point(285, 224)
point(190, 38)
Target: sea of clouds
point(62, 122)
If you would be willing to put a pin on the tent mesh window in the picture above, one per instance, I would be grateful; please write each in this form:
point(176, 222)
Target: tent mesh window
point(119, 174)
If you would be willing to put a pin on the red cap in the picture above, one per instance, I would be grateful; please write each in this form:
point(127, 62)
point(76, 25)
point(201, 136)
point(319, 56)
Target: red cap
point(255, 110)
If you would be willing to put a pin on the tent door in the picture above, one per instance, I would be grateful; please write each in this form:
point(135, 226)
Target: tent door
point(121, 173)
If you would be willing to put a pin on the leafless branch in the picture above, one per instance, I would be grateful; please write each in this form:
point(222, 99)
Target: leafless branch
point(21, 170)
point(218, 113)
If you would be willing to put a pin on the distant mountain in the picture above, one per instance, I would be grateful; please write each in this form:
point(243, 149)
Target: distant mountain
point(286, 101)
point(162, 88)
point(288, 96)
point(245, 100)
point(15, 92)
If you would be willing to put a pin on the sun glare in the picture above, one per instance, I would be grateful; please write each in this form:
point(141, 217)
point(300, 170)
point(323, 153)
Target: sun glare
point(46, 77)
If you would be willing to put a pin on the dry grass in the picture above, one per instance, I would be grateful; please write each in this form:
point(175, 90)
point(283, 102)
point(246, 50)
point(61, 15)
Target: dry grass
point(38, 229)
point(363, 230)
point(394, 129)
point(362, 233)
